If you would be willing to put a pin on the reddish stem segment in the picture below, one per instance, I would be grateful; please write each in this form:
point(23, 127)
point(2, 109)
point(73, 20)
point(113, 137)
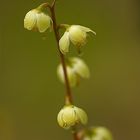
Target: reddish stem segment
point(75, 136)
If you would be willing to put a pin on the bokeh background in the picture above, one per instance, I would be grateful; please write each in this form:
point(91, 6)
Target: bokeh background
point(30, 93)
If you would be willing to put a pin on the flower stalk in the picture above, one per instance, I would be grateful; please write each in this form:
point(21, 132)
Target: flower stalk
point(68, 98)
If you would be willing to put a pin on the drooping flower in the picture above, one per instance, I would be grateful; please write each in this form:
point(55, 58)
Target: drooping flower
point(71, 115)
point(77, 34)
point(36, 19)
point(76, 69)
point(97, 133)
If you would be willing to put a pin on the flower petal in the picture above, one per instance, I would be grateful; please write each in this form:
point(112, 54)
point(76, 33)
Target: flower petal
point(64, 43)
point(30, 20)
point(80, 67)
point(43, 22)
point(82, 116)
point(86, 29)
point(77, 35)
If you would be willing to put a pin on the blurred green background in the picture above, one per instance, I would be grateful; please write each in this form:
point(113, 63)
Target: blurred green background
point(30, 93)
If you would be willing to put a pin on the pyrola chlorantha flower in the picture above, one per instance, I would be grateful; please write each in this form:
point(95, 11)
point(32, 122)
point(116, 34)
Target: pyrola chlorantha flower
point(36, 19)
point(76, 69)
point(77, 34)
point(71, 115)
point(98, 133)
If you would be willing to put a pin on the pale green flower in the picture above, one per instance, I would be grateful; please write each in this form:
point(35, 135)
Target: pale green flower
point(37, 20)
point(77, 35)
point(76, 69)
point(98, 133)
point(71, 115)
point(101, 133)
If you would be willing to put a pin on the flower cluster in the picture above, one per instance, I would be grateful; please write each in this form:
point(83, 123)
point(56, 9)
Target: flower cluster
point(76, 68)
point(38, 20)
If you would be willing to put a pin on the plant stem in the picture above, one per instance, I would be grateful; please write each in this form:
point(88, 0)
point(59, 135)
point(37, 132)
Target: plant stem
point(68, 98)
point(75, 135)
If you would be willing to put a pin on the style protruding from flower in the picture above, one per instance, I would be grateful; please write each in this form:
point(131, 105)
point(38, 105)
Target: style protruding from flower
point(98, 133)
point(76, 69)
point(38, 20)
point(71, 115)
point(77, 34)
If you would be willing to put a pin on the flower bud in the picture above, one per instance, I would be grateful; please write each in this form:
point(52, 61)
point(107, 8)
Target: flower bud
point(76, 69)
point(98, 133)
point(36, 19)
point(77, 35)
point(71, 115)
